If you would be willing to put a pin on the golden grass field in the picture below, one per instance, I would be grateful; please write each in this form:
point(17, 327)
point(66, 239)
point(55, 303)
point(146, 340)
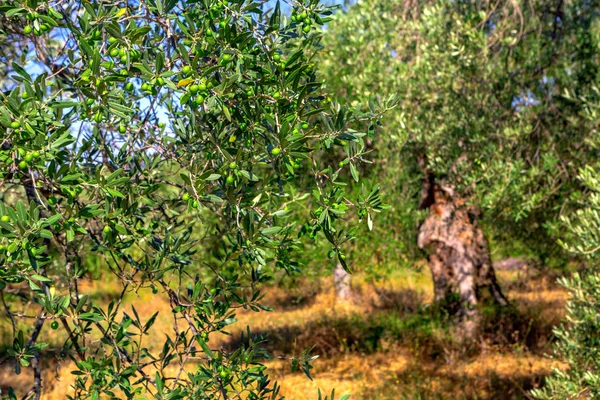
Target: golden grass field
point(384, 344)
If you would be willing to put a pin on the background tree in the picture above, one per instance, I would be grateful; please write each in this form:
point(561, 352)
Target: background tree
point(174, 144)
point(487, 120)
point(577, 341)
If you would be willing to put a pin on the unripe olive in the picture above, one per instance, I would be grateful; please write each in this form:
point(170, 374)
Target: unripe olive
point(229, 180)
point(107, 229)
point(5, 218)
point(23, 165)
point(186, 70)
point(28, 29)
point(193, 89)
point(185, 197)
point(15, 124)
point(275, 151)
point(114, 52)
point(199, 100)
point(232, 165)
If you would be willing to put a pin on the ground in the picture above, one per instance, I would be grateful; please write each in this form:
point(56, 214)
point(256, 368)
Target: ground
point(388, 342)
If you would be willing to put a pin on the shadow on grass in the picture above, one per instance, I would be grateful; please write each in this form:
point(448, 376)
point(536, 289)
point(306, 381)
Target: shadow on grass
point(429, 335)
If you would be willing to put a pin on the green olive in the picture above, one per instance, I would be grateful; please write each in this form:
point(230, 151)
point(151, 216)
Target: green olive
point(199, 100)
point(275, 151)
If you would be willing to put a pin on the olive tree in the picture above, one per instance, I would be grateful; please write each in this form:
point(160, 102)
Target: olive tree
point(177, 144)
point(577, 339)
point(487, 131)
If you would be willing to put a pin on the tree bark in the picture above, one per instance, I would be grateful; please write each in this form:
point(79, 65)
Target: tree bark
point(459, 256)
point(341, 281)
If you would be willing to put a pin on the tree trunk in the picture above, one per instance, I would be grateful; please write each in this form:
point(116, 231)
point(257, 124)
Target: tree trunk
point(459, 256)
point(341, 281)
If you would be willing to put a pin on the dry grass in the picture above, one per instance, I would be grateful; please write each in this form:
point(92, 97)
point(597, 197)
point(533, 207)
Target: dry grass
point(385, 344)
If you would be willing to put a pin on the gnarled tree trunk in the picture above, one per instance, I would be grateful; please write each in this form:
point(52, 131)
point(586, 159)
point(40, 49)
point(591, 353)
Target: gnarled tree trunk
point(459, 256)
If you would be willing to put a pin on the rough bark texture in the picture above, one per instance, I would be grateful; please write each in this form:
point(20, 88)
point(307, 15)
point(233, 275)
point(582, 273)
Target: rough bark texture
point(341, 281)
point(459, 252)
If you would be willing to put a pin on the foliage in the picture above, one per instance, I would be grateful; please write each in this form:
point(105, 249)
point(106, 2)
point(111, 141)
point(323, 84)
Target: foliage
point(177, 144)
point(578, 339)
point(489, 102)
point(578, 343)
